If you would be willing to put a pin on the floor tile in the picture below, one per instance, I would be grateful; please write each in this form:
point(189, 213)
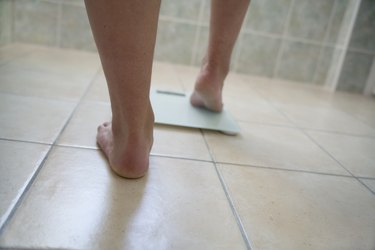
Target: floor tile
point(355, 153)
point(250, 110)
point(12, 51)
point(15, 80)
point(369, 183)
point(179, 142)
point(292, 93)
point(271, 146)
point(170, 208)
point(82, 128)
point(187, 76)
point(32, 119)
point(289, 210)
point(98, 90)
point(81, 66)
point(18, 162)
point(327, 119)
point(164, 77)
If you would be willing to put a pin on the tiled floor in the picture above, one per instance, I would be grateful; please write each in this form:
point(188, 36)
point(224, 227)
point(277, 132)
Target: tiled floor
point(300, 175)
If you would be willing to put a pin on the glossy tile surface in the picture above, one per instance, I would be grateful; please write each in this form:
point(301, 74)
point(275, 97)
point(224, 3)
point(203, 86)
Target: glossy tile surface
point(32, 119)
point(272, 146)
point(16, 171)
point(179, 142)
point(355, 153)
point(82, 128)
point(327, 119)
point(172, 207)
point(287, 186)
point(282, 210)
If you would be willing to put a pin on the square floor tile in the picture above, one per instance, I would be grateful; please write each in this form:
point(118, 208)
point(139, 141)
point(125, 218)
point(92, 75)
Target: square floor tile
point(32, 119)
point(170, 208)
point(328, 119)
point(98, 90)
point(179, 142)
point(355, 153)
point(289, 210)
point(81, 66)
point(15, 80)
point(164, 77)
point(12, 51)
point(250, 110)
point(370, 183)
point(286, 92)
point(187, 75)
point(18, 162)
point(272, 146)
point(82, 128)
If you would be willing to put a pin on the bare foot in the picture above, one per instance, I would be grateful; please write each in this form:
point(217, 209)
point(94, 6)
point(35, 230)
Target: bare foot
point(127, 155)
point(208, 91)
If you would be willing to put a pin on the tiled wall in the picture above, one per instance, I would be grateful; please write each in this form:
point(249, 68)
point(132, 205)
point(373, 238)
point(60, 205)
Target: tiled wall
point(360, 55)
point(298, 40)
point(5, 22)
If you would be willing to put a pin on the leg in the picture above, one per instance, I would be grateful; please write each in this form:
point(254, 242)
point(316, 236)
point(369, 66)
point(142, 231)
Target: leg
point(225, 24)
point(125, 33)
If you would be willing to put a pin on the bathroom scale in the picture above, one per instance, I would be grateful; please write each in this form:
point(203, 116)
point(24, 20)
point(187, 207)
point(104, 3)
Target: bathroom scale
point(174, 108)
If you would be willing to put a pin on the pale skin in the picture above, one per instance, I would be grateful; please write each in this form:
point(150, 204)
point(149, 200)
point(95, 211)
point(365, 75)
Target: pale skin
point(125, 33)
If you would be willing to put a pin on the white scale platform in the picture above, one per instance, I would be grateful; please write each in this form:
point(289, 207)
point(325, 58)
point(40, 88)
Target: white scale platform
point(173, 108)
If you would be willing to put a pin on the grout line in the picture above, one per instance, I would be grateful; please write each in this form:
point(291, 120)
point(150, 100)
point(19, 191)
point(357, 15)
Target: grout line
point(197, 34)
point(26, 141)
point(12, 21)
point(283, 39)
point(336, 74)
point(222, 162)
point(316, 143)
point(32, 248)
point(367, 178)
point(36, 173)
point(284, 169)
point(23, 193)
point(58, 30)
point(177, 20)
point(322, 148)
point(326, 35)
point(77, 105)
point(239, 41)
point(337, 161)
point(229, 198)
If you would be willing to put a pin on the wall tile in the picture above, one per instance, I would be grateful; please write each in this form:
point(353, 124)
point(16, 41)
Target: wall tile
point(174, 42)
point(334, 33)
point(188, 10)
point(5, 22)
point(201, 45)
point(363, 36)
point(205, 18)
point(310, 19)
point(355, 71)
point(298, 61)
point(36, 22)
point(75, 29)
point(257, 55)
point(324, 65)
point(267, 15)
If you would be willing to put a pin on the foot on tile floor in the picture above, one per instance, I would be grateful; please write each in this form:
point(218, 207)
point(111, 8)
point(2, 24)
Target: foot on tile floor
point(208, 90)
point(128, 156)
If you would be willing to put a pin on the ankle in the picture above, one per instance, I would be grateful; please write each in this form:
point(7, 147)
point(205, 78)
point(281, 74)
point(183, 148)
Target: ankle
point(134, 126)
point(215, 68)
